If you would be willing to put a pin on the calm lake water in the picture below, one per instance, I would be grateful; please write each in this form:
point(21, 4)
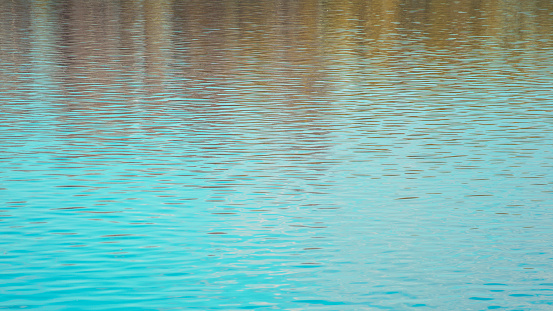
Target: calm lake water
point(286, 155)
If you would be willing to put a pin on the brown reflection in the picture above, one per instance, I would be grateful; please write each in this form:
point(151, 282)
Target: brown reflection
point(250, 51)
point(157, 43)
point(15, 21)
point(43, 50)
point(113, 51)
point(89, 43)
point(132, 51)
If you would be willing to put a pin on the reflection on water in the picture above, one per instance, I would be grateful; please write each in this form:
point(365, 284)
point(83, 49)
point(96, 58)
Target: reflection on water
point(294, 155)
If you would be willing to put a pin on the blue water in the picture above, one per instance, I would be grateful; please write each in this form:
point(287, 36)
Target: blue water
point(286, 155)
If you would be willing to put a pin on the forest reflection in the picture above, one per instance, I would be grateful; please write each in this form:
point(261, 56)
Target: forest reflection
point(275, 50)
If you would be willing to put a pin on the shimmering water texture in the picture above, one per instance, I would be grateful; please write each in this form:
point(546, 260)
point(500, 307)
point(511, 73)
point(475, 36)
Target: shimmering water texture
point(276, 155)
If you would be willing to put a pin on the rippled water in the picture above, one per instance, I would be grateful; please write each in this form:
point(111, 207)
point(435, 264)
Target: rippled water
point(288, 155)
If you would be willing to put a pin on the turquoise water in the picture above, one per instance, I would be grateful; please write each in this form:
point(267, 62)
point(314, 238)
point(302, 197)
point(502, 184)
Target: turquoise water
point(286, 155)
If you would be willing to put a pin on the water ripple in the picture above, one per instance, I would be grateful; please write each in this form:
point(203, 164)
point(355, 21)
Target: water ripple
point(296, 155)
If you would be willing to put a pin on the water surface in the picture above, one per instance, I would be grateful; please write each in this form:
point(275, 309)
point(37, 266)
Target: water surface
point(287, 155)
